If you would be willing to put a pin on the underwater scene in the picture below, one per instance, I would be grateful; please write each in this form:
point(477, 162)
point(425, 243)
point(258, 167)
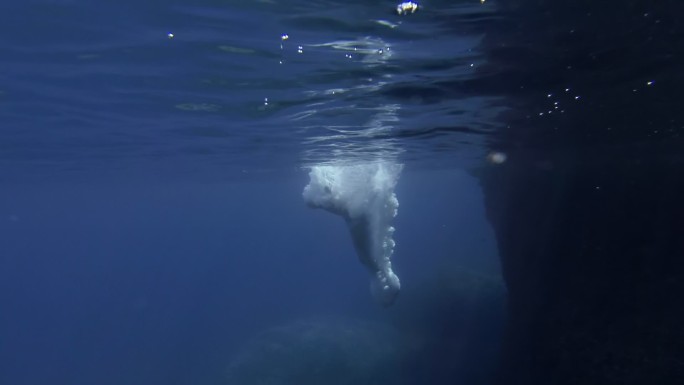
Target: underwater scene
point(326, 192)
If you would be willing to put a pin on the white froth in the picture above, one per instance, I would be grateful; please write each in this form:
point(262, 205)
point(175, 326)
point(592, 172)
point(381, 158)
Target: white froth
point(363, 194)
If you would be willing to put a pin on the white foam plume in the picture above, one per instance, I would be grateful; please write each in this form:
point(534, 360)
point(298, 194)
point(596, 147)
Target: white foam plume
point(363, 194)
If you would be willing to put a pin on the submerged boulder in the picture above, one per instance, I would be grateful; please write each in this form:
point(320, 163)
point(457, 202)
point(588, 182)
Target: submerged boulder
point(318, 351)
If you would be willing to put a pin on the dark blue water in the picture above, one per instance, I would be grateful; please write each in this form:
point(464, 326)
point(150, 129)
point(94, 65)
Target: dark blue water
point(97, 89)
point(152, 161)
point(162, 282)
point(153, 156)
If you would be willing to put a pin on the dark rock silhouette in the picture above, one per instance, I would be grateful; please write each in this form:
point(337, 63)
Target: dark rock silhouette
point(588, 208)
point(320, 351)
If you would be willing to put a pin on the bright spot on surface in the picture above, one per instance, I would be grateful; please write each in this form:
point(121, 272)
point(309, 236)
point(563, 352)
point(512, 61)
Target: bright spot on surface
point(169, 35)
point(496, 157)
point(284, 37)
point(407, 7)
point(649, 83)
point(482, 1)
point(300, 49)
point(567, 90)
point(577, 97)
point(265, 101)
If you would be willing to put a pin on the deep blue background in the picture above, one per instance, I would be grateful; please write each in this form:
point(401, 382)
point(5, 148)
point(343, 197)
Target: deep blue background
point(151, 218)
point(162, 282)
